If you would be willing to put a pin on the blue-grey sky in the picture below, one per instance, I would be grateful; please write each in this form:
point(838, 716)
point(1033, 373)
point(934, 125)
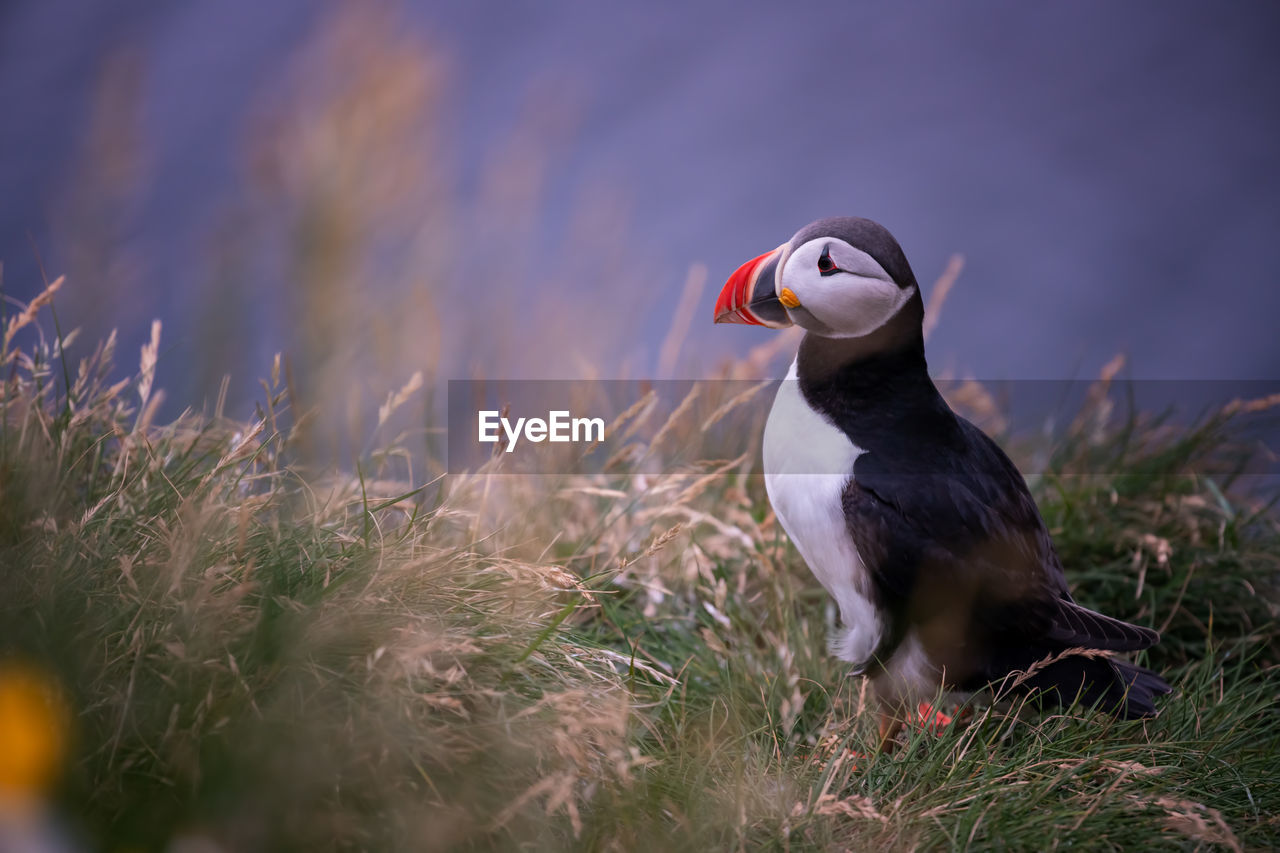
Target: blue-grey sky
point(1109, 170)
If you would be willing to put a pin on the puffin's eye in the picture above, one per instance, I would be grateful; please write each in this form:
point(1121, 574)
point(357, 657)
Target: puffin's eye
point(826, 266)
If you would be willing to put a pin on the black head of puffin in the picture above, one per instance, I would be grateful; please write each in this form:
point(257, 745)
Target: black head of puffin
point(843, 277)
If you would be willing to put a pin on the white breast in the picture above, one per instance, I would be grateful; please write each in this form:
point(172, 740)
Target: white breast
point(807, 463)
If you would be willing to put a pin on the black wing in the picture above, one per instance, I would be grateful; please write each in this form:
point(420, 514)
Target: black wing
point(958, 551)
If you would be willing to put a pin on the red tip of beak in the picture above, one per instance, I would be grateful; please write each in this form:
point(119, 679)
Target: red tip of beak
point(731, 307)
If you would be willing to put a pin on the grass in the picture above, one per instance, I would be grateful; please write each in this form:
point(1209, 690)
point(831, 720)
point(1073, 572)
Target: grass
point(234, 647)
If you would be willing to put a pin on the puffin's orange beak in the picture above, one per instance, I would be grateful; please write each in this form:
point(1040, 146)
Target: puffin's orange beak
point(749, 295)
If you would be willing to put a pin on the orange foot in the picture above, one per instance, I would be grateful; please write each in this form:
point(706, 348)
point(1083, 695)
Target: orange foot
point(926, 717)
point(930, 719)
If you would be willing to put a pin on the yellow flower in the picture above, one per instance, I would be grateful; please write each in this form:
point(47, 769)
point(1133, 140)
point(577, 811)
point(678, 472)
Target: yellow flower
point(33, 731)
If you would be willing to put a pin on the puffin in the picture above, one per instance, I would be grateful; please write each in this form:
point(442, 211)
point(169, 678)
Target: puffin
point(915, 521)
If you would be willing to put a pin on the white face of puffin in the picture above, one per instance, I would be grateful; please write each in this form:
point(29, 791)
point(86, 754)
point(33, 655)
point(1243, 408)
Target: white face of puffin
point(835, 290)
point(824, 284)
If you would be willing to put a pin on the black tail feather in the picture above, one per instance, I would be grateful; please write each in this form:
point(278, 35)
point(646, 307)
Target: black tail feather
point(1141, 686)
point(1117, 687)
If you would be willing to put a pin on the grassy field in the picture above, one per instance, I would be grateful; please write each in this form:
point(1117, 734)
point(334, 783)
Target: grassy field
point(210, 641)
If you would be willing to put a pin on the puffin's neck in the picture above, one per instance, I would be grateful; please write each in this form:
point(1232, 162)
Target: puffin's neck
point(877, 384)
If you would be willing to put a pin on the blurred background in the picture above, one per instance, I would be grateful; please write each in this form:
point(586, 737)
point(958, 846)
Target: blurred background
point(555, 190)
